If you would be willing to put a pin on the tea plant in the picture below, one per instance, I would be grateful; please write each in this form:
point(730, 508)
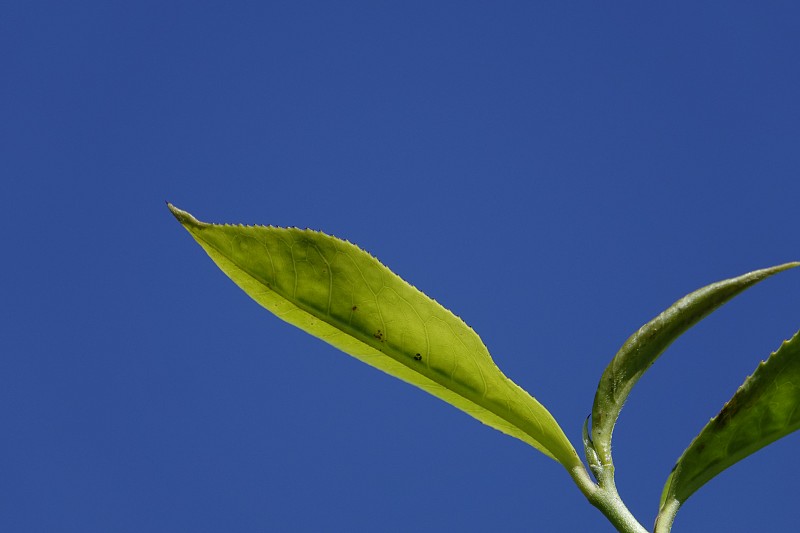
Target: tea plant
point(333, 290)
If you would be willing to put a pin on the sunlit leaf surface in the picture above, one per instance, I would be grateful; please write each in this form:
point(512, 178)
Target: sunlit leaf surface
point(335, 291)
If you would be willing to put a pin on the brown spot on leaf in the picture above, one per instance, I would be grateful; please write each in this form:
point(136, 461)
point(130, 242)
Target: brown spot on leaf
point(728, 411)
point(701, 447)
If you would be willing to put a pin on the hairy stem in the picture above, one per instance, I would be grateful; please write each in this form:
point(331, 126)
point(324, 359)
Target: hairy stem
point(667, 516)
point(607, 500)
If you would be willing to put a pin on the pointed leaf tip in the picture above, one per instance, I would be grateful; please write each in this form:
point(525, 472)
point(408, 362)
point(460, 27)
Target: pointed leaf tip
point(184, 217)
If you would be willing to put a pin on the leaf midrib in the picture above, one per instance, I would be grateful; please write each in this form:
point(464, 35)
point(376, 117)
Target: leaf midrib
point(388, 353)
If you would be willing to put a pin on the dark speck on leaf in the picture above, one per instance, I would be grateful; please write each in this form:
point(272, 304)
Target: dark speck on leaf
point(355, 308)
point(728, 411)
point(417, 357)
point(701, 447)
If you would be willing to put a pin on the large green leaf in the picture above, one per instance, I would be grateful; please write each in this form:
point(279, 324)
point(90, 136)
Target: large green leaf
point(642, 349)
point(335, 291)
point(764, 409)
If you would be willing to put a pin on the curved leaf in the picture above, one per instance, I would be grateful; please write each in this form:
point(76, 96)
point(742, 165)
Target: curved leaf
point(335, 291)
point(764, 409)
point(645, 346)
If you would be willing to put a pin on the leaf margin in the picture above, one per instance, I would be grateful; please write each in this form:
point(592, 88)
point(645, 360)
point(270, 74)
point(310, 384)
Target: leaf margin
point(756, 393)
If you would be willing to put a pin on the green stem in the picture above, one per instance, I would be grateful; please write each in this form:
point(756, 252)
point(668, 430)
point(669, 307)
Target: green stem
point(666, 516)
point(607, 500)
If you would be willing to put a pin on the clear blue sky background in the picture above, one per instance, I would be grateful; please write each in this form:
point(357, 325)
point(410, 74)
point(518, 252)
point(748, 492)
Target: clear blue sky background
point(556, 174)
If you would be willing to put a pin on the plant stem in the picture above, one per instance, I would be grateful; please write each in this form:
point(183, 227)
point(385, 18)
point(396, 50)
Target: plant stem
point(666, 516)
point(607, 500)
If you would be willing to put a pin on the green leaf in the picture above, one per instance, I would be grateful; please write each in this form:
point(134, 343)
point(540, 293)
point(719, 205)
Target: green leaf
point(764, 409)
point(642, 349)
point(335, 291)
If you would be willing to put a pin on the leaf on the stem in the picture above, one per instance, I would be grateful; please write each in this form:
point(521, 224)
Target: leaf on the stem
point(649, 342)
point(333, 290)
point(764, 409)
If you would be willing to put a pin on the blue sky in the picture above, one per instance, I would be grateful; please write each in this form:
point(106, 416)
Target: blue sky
point(555, 174)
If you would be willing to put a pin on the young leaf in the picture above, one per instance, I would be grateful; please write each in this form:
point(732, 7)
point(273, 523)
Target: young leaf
point(335, 291)
point(649, 342)
point(764, 409)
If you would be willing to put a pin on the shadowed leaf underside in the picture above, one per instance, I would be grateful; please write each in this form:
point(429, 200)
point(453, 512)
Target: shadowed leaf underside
point(642, 349)
point(764, 409)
